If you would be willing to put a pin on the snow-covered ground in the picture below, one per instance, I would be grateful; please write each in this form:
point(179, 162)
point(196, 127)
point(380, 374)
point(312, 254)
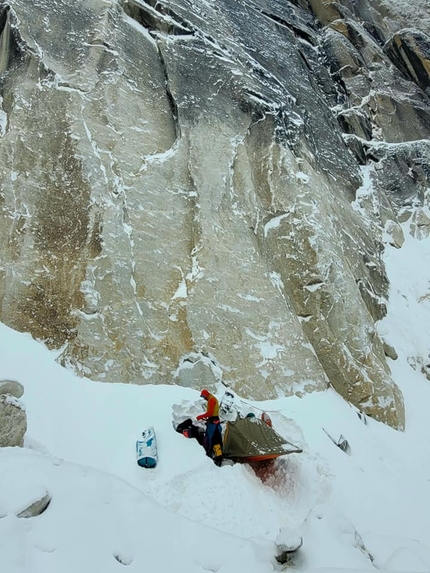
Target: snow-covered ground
point(362, 511)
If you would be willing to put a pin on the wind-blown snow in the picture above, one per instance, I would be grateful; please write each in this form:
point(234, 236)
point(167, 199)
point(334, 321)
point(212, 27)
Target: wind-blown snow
point(356, 512)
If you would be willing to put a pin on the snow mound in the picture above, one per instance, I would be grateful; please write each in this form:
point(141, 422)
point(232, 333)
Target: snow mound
point(96, 521)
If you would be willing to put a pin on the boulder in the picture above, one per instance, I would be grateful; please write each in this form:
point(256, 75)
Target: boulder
point(11, 387)
point(420, 224)
point(13, 422)
point(394, 234)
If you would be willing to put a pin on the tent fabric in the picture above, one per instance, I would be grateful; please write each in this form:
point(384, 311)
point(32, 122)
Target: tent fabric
point(251, 439)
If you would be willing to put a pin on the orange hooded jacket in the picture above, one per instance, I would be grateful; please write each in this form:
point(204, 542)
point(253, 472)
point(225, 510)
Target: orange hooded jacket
point(212, 408)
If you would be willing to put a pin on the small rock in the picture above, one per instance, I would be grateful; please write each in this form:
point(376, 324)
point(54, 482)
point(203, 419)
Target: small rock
point(124, 560)
point(343, 444)
point(287, 541)
point(390, 351)
point(37, 507)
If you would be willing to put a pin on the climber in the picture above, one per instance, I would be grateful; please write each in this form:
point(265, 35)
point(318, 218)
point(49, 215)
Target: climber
point(213, 436)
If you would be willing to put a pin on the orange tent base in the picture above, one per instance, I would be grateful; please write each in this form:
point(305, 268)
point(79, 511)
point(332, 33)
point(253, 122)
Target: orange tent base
point(258, 458)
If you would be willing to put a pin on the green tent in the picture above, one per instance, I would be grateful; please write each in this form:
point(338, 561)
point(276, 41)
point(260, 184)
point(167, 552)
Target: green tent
point(252, 440)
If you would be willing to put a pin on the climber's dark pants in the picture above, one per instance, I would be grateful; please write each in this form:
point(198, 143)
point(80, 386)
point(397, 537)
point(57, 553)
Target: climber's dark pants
point(213, 439)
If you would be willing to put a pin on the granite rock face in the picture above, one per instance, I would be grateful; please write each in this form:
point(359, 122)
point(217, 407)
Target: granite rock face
point(193, 192)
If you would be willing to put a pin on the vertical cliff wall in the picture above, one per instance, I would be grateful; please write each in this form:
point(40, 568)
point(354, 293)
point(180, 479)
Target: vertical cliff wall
point(196, 191)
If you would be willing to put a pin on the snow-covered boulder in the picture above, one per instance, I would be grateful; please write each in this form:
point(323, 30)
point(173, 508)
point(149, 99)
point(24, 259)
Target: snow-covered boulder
point(13, 421)
point(329, 524)
point(288, 541)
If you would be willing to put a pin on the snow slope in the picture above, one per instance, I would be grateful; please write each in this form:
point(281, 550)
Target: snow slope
point(369, 509)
